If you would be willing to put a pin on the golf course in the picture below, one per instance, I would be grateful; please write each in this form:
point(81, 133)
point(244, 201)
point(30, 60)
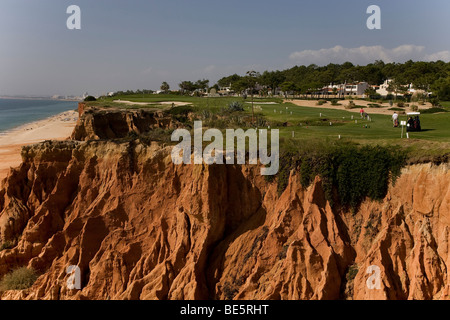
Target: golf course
point(306, 125)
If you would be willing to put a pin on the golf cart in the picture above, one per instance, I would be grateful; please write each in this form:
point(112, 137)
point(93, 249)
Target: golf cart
point(413, 122)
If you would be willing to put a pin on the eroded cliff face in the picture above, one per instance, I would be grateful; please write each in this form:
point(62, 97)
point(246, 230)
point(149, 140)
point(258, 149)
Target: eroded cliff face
point(96, 124)
point(140, 227)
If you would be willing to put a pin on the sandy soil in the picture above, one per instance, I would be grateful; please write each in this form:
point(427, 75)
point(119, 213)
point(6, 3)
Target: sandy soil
point(58, 127)
point(384, 110)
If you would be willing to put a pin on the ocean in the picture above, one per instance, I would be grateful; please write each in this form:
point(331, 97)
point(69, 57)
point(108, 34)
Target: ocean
point(17, 112)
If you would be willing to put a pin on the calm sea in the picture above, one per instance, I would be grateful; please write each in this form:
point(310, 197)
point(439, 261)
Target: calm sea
point(14, 112)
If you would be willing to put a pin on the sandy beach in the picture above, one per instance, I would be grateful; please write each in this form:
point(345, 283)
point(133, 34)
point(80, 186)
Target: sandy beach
point(58, 127)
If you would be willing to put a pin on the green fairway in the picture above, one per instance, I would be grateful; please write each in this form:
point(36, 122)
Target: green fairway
point(212, 104)
point(446, 104)
point(299, 124)
point(312, 121)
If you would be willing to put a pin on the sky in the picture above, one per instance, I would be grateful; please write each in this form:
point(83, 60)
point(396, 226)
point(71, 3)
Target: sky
point(138, 44)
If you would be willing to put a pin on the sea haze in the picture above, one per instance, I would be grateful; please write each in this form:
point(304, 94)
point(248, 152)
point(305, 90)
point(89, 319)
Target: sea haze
point(16, 112)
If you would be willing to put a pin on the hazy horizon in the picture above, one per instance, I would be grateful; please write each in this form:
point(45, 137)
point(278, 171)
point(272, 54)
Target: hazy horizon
point(139, 44)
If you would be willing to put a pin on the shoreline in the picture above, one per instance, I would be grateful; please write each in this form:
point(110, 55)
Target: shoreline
point(38, 98)
point(57, 127)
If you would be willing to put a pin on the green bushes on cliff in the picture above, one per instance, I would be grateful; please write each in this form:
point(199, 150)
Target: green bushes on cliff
point(355, 172)
point(6, 245)
point(19, 279)
point(89, 99)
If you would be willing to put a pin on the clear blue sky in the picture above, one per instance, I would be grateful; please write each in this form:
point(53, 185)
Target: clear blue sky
point(138, 44)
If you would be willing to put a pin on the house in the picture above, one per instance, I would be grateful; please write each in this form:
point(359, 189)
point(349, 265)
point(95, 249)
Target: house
point(225, 91)
point(383, 90)
point(347, 89)
point(356, 89)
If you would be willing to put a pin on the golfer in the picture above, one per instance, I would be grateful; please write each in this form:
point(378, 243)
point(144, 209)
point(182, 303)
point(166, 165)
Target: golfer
point(395, 119)
point(361, 112)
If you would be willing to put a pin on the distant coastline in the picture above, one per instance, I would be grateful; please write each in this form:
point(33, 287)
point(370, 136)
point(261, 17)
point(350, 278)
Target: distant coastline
point(18, 111)
point(55, 127)
point(38, 98)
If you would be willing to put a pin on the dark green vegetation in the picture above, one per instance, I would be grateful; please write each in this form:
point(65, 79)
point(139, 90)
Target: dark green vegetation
point(355, 172)
point(309, 80)
point(19, 279)
point(235, 106)
point(90, 99)
point(302, 80)
point(433, 110)
point(6, 245)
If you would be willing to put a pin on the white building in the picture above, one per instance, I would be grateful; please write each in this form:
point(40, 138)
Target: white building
point(356, 89)
point(225, 91)
point(383, 91)
point(348, 89)
point(415, 92)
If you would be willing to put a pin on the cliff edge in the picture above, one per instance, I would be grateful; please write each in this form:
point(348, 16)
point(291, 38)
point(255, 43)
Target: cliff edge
point(140, 227)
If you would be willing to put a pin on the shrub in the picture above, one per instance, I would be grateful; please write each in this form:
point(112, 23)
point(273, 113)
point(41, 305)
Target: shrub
point(321, 102)
point(435, 102)
point(6, 245)
point(400, 104)
point(157, 134)
point(181, 110)
point(90, 98)
point(354, 172)
point(19, 279)
point(414, 108)
point(352, 272)
point(206, 114)
point(395, 109)
point(433, 110)
point(229, 291)
point(334, 102)
point(235, 106)
point(350, 105)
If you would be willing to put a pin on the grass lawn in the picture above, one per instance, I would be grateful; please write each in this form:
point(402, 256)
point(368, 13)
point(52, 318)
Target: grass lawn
point(446, 104)
point(311, 123)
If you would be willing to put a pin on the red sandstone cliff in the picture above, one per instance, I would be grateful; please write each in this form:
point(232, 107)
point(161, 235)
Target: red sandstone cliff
point(140, 227)
point(95, 123)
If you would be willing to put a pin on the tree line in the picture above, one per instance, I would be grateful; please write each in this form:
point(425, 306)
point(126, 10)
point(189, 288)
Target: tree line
point(427, 76)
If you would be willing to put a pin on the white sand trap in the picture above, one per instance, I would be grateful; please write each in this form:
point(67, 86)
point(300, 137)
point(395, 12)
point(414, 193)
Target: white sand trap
point(256, 102)
point(367, 109)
